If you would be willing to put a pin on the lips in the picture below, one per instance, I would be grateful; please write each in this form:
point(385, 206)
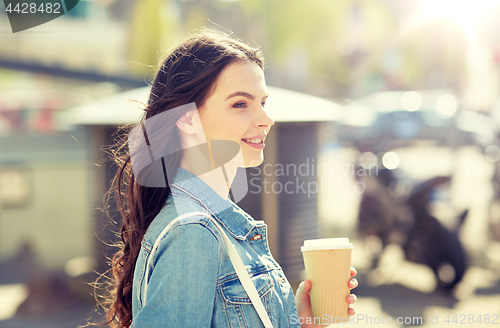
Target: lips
point(255, 143)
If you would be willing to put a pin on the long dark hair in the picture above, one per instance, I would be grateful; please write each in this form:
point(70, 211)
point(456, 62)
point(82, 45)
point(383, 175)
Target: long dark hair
point(188, 74)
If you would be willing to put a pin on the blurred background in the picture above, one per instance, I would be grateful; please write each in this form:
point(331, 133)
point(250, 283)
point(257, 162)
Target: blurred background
point(392, 107)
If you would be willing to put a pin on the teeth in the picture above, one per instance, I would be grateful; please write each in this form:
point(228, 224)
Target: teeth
point(255, 141)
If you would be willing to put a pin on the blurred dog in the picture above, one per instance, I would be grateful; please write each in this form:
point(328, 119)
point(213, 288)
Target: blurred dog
point(429, 242)
point(403, 217)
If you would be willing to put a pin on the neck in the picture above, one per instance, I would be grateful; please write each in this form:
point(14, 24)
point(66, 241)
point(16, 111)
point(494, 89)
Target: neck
point(220, 180)
point(217, 179)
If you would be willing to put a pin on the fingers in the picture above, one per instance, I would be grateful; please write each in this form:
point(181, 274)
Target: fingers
point(351, 299)
point(353, 272)
point(351, 311)
point(305, 287)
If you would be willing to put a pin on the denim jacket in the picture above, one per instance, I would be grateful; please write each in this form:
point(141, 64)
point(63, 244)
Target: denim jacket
point(191, 281)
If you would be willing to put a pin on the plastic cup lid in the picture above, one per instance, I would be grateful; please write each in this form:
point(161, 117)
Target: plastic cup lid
point(326, 243)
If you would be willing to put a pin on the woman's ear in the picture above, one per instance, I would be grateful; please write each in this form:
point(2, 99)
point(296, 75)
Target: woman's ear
point(190, 126)
point(187, 122)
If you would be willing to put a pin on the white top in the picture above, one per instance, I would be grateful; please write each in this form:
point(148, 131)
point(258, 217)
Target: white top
point(326, 243)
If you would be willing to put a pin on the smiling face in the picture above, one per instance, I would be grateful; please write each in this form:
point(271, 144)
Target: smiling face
point(235, 110)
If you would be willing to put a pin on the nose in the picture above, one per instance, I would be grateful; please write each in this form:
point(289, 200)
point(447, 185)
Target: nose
point(263, 120)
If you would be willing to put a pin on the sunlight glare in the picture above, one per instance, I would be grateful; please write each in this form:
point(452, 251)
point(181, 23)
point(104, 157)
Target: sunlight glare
point(466, 12)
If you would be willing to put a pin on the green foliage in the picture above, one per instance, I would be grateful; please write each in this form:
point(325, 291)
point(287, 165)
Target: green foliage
point(152, 31)
point(316, 26)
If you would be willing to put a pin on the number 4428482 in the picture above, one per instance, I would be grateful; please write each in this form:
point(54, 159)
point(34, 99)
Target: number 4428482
point(463, 319)
point(33, 8)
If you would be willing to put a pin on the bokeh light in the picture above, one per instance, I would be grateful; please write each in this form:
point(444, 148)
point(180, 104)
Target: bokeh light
point(446, 106)
point(492, 153)
point(390, 160)
point(411, 101)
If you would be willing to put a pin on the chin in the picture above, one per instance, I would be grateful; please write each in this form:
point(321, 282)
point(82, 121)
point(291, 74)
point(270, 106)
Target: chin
point(254, 162)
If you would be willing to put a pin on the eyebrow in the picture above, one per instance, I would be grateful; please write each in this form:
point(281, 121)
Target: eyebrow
point(243, 94)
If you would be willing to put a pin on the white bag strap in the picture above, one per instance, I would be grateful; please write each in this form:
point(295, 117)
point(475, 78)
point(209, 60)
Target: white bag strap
point(238, 265)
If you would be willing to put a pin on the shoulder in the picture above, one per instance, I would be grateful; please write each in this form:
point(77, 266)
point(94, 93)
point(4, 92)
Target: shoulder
point(240, 211)
point(192, 216)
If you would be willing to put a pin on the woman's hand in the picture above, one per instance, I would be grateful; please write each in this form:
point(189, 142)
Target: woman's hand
point(303, 301)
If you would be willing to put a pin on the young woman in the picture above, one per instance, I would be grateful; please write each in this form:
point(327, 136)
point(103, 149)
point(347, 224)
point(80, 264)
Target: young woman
point(210, 88)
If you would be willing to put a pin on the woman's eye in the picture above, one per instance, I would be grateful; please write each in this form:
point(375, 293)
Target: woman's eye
point(240, 105)
point(263, 104)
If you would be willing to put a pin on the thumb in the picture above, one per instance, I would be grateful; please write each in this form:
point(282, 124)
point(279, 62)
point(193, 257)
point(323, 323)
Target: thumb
point(302, 295)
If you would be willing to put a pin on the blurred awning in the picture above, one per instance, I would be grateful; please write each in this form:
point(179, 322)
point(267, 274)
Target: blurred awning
point(282, 105)
point(111, 110)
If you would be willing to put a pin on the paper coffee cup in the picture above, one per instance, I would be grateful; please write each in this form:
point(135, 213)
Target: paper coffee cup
point(328, 266)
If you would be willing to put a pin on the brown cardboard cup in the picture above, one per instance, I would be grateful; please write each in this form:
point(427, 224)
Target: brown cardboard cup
point(328, 266)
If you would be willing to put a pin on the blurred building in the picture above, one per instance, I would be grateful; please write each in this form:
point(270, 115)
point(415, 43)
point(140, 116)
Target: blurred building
point(45, 200)
point(44, 196)
point(86, 39)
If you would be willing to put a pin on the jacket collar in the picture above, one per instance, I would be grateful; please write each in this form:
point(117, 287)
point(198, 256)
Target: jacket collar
point(231, 216)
